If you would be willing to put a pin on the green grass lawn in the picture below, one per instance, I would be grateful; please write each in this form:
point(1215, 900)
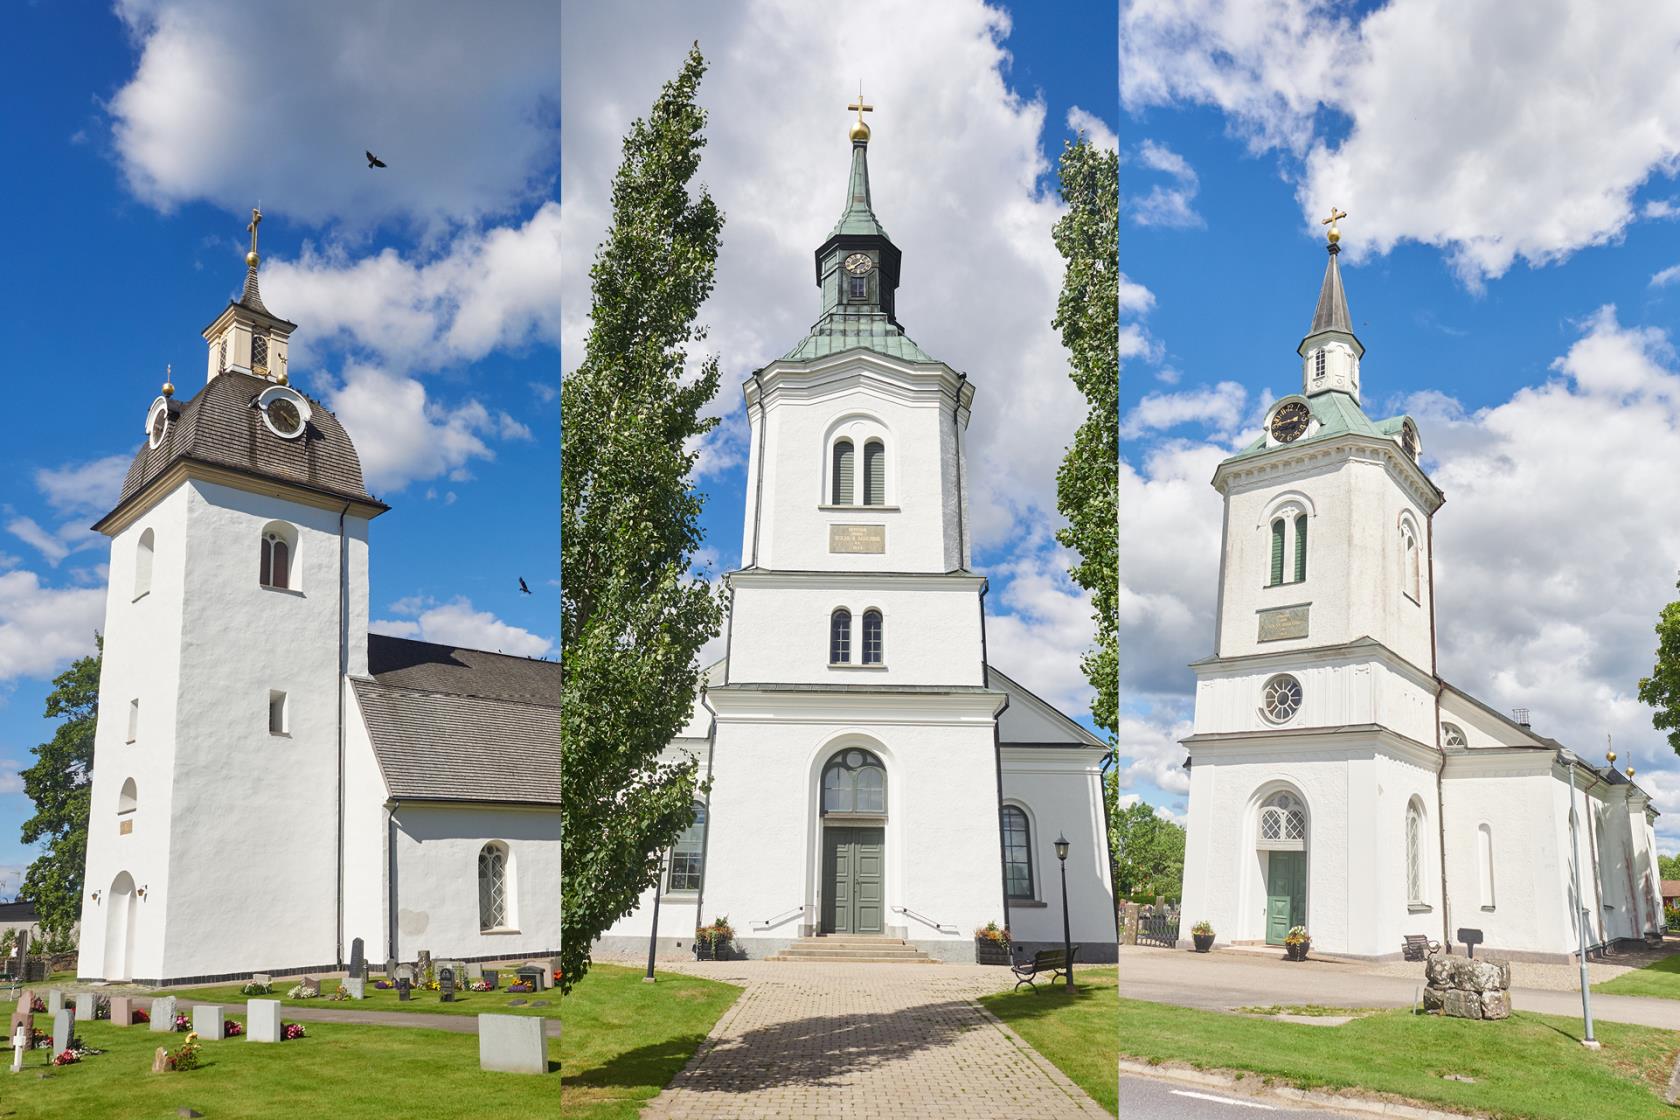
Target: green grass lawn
point(1660, 979)
point(1076, 1033)
point(1529, 1066)
point(625, 1040)
point(341, 1071)
point(465, 1003)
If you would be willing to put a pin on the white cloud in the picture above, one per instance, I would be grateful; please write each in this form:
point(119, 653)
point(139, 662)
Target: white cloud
point(457, 623)
point(956, 163)
point(44, 628)
point(1172, 207)
point(1039, 625)
point(459, 101)
point(403, 435)
point(1467, 127)
point(1666, 277)
point(84, 488)
point(1093, 127)
point(1219, 407)
point(54, 544)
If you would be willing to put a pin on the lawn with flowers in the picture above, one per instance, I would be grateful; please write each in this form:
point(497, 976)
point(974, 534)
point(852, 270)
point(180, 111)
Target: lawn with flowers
point(337, 1070)
point(466, 1002)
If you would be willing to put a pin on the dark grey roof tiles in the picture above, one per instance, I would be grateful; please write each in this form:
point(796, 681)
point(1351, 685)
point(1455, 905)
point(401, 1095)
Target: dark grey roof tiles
point(251, 297)
point(430, 667)
point(1331, 314)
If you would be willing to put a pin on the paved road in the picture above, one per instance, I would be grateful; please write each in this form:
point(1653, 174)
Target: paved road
point(851, 1040)
point(1220, 980)
point(1160, 1099)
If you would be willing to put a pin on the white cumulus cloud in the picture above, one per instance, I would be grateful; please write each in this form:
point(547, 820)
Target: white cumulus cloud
point(458, 623)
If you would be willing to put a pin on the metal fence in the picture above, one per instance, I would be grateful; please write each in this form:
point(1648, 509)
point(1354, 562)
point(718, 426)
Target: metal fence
point(1158, 929)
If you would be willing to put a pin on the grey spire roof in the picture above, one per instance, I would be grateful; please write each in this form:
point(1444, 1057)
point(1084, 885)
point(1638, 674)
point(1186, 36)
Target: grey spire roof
point(1331, 314)
point(859, 216)
point(251, 297)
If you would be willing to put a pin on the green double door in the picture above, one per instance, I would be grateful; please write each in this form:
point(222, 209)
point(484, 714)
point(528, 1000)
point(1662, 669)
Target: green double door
point(852, 880)
point(1286, 894)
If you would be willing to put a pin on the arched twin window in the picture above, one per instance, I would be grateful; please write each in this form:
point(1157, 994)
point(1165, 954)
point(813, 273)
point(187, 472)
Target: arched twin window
point(278, 565)
point(1017, 853)
point(1289, 548)
point(840, 637)
point(1282, 824)
point(143, 563)
point(1414, 853)
point(854, 781)
point(688, 854)
point(843, 491)
point(493, 893)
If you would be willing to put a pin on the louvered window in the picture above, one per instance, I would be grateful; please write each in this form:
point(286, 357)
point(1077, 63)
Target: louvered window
point(872, 647)
point(843, 472)
point(492, 887)
point(1300, 547)
point(874, 473)
point(840, 637)
point(1277, 553)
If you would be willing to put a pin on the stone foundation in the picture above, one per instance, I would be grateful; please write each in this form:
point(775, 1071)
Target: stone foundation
point(1467, 989)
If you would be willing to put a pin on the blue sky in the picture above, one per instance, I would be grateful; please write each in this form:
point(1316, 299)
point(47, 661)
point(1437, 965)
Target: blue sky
point(138, 140)
point(962, 171)
point(1505, 257)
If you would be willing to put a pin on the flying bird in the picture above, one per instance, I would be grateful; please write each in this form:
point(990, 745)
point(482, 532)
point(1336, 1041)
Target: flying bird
point(373, 160)
point(523, 590)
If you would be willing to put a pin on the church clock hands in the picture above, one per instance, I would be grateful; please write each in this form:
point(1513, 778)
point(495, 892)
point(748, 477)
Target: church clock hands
point(1290, 422)
point(859, 264)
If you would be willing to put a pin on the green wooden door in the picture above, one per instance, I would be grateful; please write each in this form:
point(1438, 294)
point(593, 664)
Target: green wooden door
point(853, 874)
point(1286, 893)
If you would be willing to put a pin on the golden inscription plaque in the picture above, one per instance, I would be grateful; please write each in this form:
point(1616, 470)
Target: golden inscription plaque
point(1283, 622)
point(857, 538)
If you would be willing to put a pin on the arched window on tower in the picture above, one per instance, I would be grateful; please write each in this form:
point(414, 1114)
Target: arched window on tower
point(1411, 560)
point(874, 473)
point(277, 567)
point(1277, 552)
point(688, 854)
point(841, 494)
point(1300, 547)
point(143, 563)
point(1288, 545)
point(494, 898)
point(840, 637)
point(873, 647)
point(1414, 853)
point(1017, 853)
point(128, 799)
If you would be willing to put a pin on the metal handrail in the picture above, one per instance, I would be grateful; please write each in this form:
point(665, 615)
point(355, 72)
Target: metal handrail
point(769, 923)
point(924, 919)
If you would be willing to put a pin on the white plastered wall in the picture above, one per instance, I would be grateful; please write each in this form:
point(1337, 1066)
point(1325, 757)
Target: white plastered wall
point(1060, 789)
point(366, 867)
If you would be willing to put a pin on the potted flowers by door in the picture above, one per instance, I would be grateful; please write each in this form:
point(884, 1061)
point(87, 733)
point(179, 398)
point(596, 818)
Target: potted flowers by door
point(991, 944)
point(1202, 934)
point(712, 942)
point(1296, 943)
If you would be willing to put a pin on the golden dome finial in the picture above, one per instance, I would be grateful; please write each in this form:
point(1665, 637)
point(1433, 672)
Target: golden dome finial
point(1630, 772)
point(1610, 756)
point(168, 380)
point(252, 258)
point(860, 130)
point(1334, 234)
point(281, 377)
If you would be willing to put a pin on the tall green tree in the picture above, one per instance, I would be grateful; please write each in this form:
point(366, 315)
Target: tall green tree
point(1151, 851)
point(633, 614)
point(1668, 867)
point(59, 784)
point(1088, 483)
point(1661, 690)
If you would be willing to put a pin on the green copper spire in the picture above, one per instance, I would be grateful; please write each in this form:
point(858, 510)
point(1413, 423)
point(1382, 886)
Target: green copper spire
point(858, 219)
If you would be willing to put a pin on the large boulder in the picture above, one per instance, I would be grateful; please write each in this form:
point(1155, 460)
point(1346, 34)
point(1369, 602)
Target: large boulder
point(1462, 1005)
point(1468, 975)
point(1434, 998)
point(1496, 1005)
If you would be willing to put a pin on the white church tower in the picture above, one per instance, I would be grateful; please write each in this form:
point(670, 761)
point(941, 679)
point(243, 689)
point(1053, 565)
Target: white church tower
point(237, 604)
point(1315, 724)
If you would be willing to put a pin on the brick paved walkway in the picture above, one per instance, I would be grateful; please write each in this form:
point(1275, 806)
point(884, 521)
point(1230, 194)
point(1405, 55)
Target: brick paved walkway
point(864, 1040)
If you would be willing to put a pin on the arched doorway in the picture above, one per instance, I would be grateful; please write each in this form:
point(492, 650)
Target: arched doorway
point(1281, 842)
point(854, 818)
point(119, 928)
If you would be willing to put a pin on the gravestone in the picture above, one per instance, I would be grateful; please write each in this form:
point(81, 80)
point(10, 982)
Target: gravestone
point(85, 1007)
point(122, 1011)
point(358, 962)
point(163, 1013)
point(531, 974)
point(23, 1011)
point(446, 984)
point(20, 960)
point(25, 1023)
point(512, 1044)
point(208, 1022)
point(160, 1060)
point(425, 960)
point(356, 986)
point(390, 968)
point(311, 987)
point(261, 978)
point(20, 1042)
point(403, 987)
point(490, 977)
point(405, 972)
point(262, 1020)
point(64, 1023)
point(475, 971)
point(55, 1002)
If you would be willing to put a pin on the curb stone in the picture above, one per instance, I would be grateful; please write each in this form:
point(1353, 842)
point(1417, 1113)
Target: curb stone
point(1253, 1086)
point(1672, 1096)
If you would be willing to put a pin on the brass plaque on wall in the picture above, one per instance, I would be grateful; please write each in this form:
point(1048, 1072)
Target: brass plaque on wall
point(857, 538)
point(1283, 622)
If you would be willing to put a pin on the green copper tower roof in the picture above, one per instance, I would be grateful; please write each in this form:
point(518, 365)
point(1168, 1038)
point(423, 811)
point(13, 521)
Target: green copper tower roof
point(857, 273)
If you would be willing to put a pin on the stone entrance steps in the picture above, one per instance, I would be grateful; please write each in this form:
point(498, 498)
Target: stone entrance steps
point(846, 949)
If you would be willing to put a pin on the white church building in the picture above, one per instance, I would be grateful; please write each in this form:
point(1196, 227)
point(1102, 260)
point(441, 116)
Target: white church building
point(272, 782)
point(873, 774)
point(1337, 782)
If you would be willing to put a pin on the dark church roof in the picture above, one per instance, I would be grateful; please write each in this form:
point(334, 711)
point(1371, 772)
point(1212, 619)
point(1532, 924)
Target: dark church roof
point(452, 724)
point(221, 427)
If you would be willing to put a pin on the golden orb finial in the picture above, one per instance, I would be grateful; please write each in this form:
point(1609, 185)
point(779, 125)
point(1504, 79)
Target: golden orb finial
point(252, 258)
point(1335, 234)
point(1611, 756)
point(168, 383)
point(1630, 771)
point(860, 131)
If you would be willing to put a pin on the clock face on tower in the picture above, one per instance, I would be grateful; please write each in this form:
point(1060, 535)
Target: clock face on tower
point(859, 264)
point(1290, 421)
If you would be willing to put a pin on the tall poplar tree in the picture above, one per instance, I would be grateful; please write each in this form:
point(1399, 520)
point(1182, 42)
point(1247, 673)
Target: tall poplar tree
point(633, 614)
point(59, 784)
point(1661, 690)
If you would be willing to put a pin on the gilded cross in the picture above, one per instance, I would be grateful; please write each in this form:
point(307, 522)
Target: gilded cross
point(860, 106)
point(1335, 234)
point(256, 220)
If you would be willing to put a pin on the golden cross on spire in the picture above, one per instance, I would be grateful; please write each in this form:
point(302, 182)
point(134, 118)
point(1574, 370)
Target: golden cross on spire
point(256, 220)
point(1335, 234)
point(860, 130)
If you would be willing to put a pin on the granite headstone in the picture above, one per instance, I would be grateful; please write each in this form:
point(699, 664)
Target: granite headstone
point(163, 1013)
point(208, 1021)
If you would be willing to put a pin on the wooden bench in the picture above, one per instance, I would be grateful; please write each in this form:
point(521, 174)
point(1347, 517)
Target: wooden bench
point(1052, 961)
point(1417, 946)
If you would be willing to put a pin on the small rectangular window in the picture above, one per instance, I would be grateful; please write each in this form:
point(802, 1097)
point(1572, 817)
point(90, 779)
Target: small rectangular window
point(277, 724)
point(134, 719)
point(857, 288)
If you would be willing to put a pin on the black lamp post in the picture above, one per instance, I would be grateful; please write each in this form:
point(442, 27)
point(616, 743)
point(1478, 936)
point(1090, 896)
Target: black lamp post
point(1067, 937)
point(653, 936)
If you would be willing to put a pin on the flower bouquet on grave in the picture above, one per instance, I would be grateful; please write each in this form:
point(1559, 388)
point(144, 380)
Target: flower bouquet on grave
point(253, 988)
point(383, 985)
point(301, 991)
point(37, 1005)
point(289, 1031)
point(141, 1016)
point(68, 1057)
point(185, 1056)
point(1296, 943)
point(182, 1023)
point(479, 986)
point(520, 986)
point(101, 1007)
point(342, 993)
point(231, 1029)
point(39, 1039)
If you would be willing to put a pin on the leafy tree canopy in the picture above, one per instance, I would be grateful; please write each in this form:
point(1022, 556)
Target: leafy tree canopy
point(59, 784)
point(1661, 690)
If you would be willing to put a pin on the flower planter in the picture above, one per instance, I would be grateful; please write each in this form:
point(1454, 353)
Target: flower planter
point(1204, 941)
point(1296, 951)
point(987, 951)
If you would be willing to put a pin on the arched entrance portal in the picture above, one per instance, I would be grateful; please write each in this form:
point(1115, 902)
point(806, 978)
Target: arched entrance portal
point(1281, 840)
point(119, 928)
point(854, 819)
